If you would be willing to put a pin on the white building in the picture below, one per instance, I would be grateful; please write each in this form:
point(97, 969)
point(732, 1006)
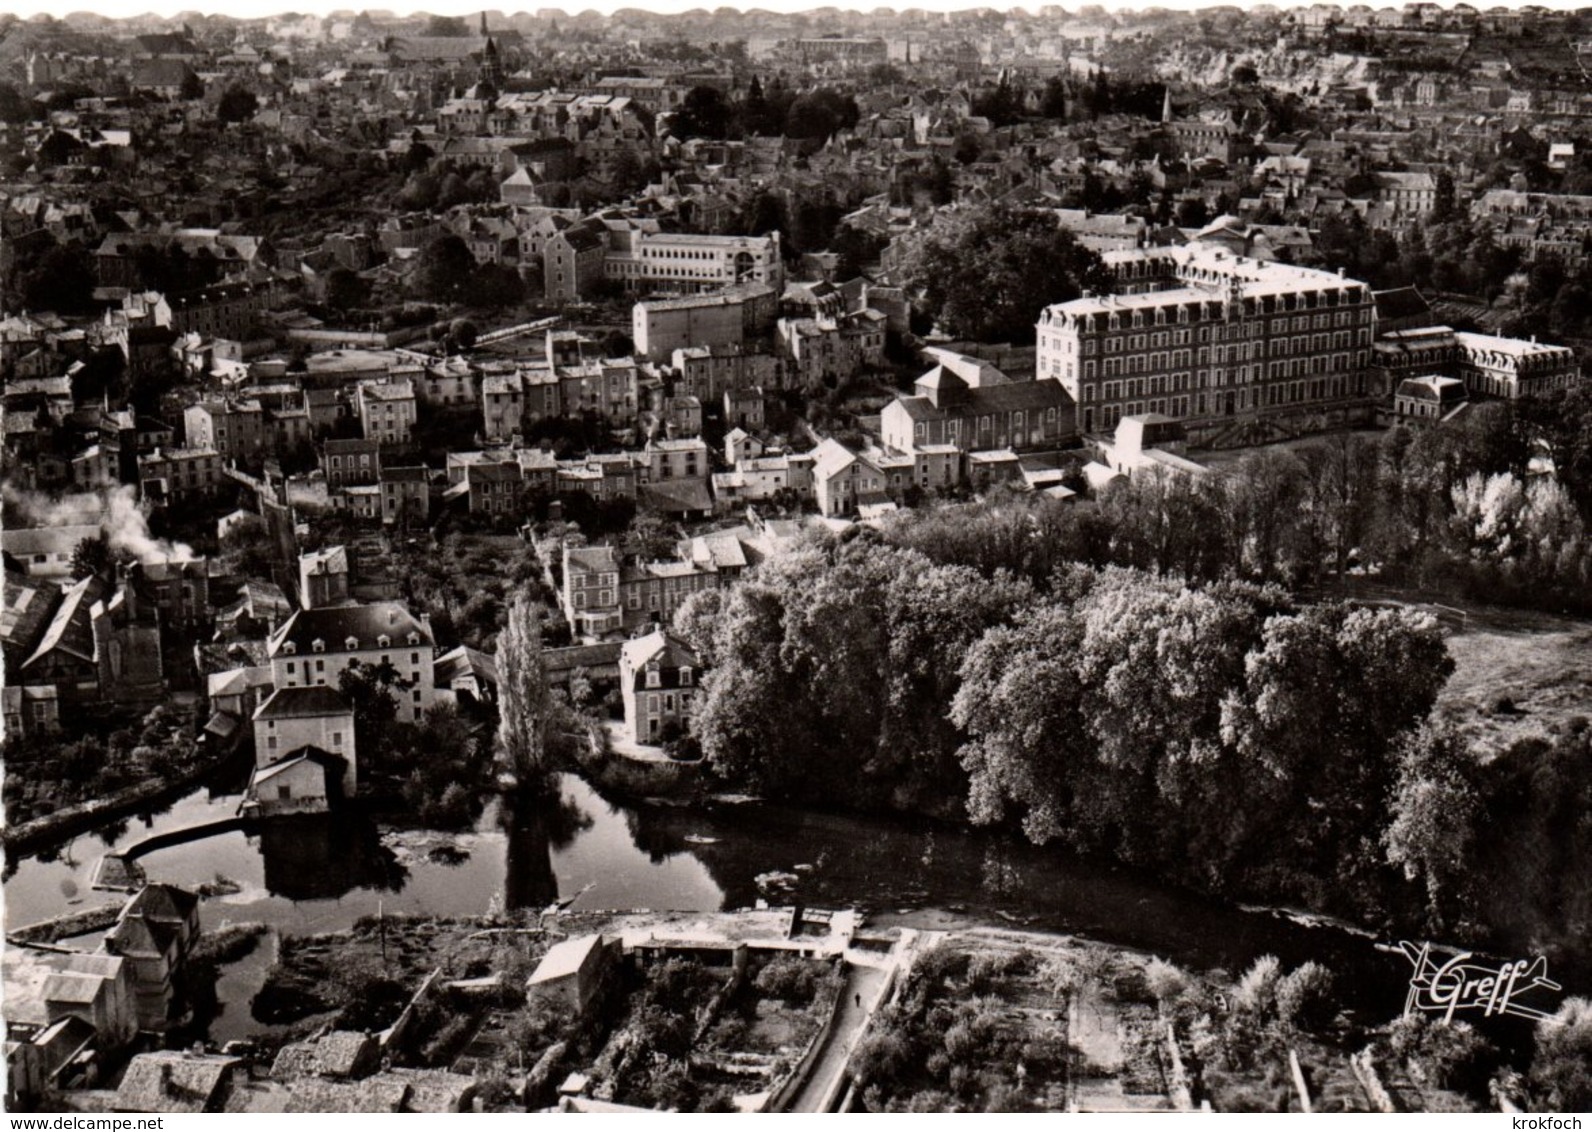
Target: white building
point(676, 261)
point(1211, 338)
point(315, 646)
point(292, 719)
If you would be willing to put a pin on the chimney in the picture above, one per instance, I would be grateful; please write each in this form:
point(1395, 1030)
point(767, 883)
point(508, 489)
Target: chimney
point(392, 615)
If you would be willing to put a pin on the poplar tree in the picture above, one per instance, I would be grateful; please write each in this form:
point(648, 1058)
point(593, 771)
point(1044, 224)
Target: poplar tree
point(524, 705)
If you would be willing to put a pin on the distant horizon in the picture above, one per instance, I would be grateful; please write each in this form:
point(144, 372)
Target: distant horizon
point(268, 9)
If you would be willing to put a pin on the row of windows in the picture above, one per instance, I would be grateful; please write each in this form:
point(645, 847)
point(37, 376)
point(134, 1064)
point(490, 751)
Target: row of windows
point(1120, 343)
point(1158, 316)
point(1263, 396)
point(270, 741)
point(655, 678)
point(681, 253)
point(351, 644)
point(1113, 367)
point(664, 701)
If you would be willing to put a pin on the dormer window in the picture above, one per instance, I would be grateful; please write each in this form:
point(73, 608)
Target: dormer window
point(413, 638)
point(318, 645)
point(289, 648)
point(383, 641)
point(653, 679)
point(685, 677)
point(351, 644)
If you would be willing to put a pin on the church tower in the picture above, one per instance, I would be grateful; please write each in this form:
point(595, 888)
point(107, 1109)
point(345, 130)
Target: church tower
point(491, 64)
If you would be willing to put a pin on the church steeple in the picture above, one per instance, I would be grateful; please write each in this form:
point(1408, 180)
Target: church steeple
point(1166, 105)
point(484, 32)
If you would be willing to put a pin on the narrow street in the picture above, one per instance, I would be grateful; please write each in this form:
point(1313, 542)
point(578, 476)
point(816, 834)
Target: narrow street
point(822, 1088)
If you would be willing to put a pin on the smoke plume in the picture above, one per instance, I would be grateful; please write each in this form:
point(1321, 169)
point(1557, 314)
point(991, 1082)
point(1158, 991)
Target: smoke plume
point(115, 510)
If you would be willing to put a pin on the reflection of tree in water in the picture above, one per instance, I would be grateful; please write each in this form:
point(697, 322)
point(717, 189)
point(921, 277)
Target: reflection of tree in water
point(657, 832)
point(322, 856)
point(565, 821)
point(534, 828)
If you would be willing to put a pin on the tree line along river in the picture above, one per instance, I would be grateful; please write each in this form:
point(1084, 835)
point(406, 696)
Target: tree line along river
point(321, 873)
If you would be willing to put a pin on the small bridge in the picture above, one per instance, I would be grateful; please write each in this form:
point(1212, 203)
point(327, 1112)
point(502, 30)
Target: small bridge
point(182, 836)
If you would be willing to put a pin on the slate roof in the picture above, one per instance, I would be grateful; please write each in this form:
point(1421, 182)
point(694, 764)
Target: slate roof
point(24, 542)
point(463, 661)
point(1400, 303)
point(596, 558)
point(29, 606)
point(438, 48)
point(341, 1053)
point(162, 902)
point(665, 648)
point(72, 988)
point(71, 630)
point(831, 457)
point(1448, 390)
point(334, 625)
point(331, 560)
point(582, 239)
point(175, 1082)
point(303, 703)
point(558, 661)
point(993, 399)
point(306, 754)
point(374, 1094)
point(678, 496)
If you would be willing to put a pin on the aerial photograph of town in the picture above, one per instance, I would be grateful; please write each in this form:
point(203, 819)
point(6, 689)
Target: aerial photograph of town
point(821, 560)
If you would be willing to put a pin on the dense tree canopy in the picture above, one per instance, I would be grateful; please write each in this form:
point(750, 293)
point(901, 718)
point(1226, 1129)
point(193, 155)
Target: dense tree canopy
point(345, 290)
point(62, 281)
point(1220, 734)
point(443, 270)
point(704, 113)
point(1223, 734)
point(799, 655)
point(986, 273)
point(447, 272)
point(820, 113)
point(1561, 1072)
point(238, 104)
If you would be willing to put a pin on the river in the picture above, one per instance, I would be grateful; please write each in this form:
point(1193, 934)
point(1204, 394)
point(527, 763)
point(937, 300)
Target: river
point(320, 874)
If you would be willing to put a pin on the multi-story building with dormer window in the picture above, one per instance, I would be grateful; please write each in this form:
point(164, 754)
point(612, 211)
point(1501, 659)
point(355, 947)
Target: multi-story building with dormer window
point(1214, 340)
point(314, 647)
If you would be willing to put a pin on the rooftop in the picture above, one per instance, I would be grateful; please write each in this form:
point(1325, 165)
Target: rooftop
point(564, 959)
point(335, 625)
point(310, 702)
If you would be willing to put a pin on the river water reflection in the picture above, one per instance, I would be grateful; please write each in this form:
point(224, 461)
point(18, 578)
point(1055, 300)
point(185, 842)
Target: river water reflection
point(321, 874)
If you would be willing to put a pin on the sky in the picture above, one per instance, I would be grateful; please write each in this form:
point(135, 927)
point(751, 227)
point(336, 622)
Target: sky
point(254, 9)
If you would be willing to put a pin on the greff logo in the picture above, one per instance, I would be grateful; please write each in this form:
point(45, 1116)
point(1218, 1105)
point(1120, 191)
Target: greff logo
point(1467, 983)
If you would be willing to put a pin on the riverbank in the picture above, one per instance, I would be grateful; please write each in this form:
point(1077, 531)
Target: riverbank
point(634, 777)
point(57, 828)
point(66, 926)
point(983, 1018)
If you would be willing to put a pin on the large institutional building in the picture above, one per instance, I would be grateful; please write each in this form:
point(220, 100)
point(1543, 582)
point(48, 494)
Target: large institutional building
point(1213, 339)
point(691, 264)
